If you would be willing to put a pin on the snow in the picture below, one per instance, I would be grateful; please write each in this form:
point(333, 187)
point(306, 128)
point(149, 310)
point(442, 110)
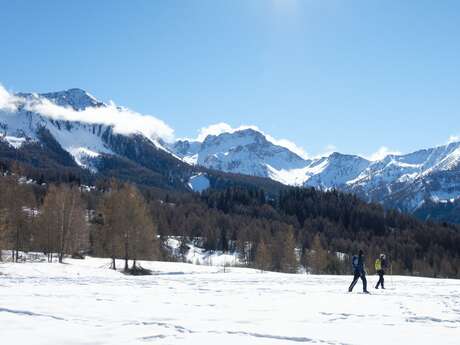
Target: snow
point(82, 156)
point(192, 160)
point(199, 256)
point(72, 117)
point(81, 141)
point(84, 302)
point(444, 196)
point(448, 162)
point(293, 177)
point(198, 183)
point(77, 98)
point(246, 151)
point(15, 142)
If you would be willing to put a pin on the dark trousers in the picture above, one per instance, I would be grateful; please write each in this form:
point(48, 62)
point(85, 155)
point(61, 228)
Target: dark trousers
point(381, 280)
point(358, 275)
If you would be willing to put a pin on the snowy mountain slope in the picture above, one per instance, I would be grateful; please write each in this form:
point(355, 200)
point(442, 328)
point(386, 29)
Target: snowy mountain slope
point(82, 140)
point(401, 181)
point(335, 170)
point(92, 145)
point(76, 98)
point(84, 302)
point(245, 151)
point(407, 181)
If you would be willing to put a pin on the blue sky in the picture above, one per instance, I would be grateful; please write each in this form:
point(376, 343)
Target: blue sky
point(350, 75)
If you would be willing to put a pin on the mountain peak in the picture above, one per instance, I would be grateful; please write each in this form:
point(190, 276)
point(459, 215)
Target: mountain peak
point(346, 157)
point(76, 98)
point(248, 135)
point(236, 133)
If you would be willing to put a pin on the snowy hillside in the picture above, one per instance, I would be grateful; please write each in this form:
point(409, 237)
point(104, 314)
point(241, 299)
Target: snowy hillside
point(74, 118)
point(406, 181)
point(246, 151)
point(84, 302)
point(84, 141)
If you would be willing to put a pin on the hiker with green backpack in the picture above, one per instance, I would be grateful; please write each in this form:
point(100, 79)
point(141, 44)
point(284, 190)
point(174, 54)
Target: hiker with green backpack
point(380, 265)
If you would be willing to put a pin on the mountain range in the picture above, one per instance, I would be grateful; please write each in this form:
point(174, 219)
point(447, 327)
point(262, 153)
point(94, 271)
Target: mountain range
point(405, 181)
point(408, 182)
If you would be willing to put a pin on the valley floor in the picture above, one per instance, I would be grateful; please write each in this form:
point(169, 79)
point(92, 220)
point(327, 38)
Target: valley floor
point(83, 302)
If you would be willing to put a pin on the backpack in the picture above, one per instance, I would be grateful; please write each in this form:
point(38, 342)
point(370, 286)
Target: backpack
point(355, 262)
point(378, 265)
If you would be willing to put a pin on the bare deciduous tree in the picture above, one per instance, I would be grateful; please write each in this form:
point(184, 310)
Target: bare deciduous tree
point(63, 219)
point(127, 227)
point(16, 208)
point(263, 256)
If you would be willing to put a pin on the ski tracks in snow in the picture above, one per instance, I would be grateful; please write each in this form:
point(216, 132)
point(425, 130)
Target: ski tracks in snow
point(84, 302)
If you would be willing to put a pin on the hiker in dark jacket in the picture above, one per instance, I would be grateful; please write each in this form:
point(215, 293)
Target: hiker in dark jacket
point(380, 266)
point(358, 271)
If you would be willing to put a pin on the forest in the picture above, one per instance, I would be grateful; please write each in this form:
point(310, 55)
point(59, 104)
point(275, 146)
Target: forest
point(295, 229)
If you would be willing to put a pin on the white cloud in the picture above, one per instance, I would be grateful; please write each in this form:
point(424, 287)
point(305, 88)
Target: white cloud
point(123, 120)
point(453, 139)
point(7, 100)
point(215, 129)
point(327, 151)
point(289, 145)
point(223, 127)
point(381, 153)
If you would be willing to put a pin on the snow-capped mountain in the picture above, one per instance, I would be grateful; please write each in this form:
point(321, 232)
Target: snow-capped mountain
point(83, 141)
point(407, 181)
point(76, 98)
point(334, 171)
point(40, 125)
point(401, 181)
point(246, 152)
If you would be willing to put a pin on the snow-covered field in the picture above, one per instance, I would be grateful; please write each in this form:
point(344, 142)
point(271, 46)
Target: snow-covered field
point(83, 302)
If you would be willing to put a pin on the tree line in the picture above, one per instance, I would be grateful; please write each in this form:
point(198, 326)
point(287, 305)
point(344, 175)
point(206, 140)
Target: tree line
point(56, 220)
point(296, 229)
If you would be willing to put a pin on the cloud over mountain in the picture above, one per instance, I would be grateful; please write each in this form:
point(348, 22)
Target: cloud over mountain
point(223, 127)
point(123, 120)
